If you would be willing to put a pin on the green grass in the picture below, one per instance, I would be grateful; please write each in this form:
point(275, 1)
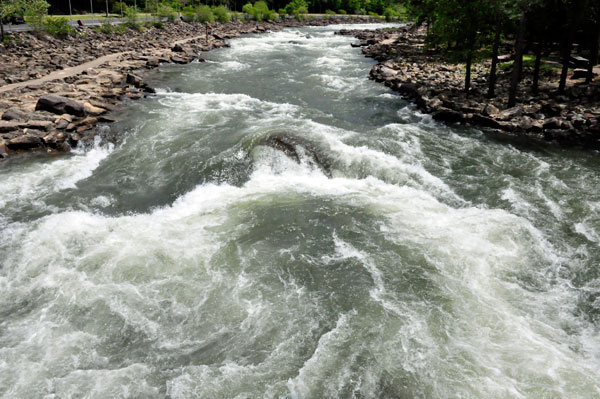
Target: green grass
point(529, 63)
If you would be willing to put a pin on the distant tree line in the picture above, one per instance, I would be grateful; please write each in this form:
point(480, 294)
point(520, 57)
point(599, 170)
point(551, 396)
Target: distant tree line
point(475, 29)
point(314, 6)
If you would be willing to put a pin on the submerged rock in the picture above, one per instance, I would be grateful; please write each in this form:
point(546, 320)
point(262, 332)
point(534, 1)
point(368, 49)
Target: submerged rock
point(288, 144)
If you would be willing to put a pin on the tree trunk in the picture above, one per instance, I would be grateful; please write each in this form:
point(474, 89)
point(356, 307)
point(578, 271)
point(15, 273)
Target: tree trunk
point(514, 81)
point(567, 46)
point(536, 69)
point(468, 74)
point(492, 82)
point(594, 53)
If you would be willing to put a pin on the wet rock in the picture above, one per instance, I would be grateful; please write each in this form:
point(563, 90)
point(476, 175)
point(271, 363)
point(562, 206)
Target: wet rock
point(448, 116)
point(178, 48)
point(25, 142)
point(485, 121)
point(287, 144)
point(57, 141)
point(139, 83)
point(3, 149)
point(179, 60)
point(59, 105)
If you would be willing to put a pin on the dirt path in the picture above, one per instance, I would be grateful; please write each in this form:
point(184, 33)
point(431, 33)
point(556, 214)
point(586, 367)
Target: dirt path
point(65, 73)
point(76, 70)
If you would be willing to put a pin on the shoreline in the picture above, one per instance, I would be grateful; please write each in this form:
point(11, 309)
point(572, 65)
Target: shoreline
point(59, 108)
point(436, 87)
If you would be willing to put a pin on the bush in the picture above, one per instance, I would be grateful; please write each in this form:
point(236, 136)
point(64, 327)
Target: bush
point(259, 11)
point(221, 14)
point(58, 27)
point(118, 7)
point(343, 12)
point(188, 16)
point(373, 14)
point(131, 17)
point(281, 12)
point(34, 13)
point(204, 14)
point(329, 12)
point(389, 14)
point(296, 7)
point(166, 11)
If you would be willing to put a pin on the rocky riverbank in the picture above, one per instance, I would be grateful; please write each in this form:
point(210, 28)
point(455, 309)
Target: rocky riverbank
point(437, 87)
point(54, 93)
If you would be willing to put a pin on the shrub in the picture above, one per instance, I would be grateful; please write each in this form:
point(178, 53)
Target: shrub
point(221, 14)
point(118, 7)
point(343, 12)
point(373, 14)
point(34, 13)
point(259, 11)
point(389, 14)
point(296, 7)
point(166, 11)
point(281, 12)
point(188, 16)
point(204, 14)
point(329, 12)
point(58, 27)
point(131, 16)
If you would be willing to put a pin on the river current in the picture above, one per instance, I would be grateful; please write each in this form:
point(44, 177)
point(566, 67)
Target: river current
point(190, 261)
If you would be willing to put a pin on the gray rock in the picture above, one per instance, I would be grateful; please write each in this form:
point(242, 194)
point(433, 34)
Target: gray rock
point(14, 114)
point(59, 105)
point(25, 142)
point(139, 83)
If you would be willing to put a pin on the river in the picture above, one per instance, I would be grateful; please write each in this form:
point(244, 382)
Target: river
point(190, 261)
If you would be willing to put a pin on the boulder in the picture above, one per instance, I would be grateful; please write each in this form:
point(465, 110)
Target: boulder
point(93, 110)
point(3, 149)
point(14, 114)
point(25, 142)
point(139, 83)
point(490, 109)
point(485, 121)
point(38, 125)
point(448, 116)
point(510, 113)
point(9, 126)
point(59, 105)
point(56, 140)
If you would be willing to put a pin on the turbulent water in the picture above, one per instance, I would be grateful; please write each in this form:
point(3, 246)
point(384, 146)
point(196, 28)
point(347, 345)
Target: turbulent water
point(191, 261)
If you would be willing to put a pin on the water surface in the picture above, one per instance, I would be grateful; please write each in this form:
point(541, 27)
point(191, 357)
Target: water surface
point(190, 261)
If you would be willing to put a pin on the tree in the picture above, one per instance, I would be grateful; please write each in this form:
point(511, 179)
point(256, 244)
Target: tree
point(10, 9)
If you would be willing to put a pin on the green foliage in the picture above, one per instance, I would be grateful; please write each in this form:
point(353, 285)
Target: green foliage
point(166, 11)
point(58, 27)
point(34, 13)
point(259, 11)
point(11, 8)
point(204, 14)
point(118, 6)
point(131, 17)
point(343, 12)
point(329, 12)
point(221, 14)
point(296, 7)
